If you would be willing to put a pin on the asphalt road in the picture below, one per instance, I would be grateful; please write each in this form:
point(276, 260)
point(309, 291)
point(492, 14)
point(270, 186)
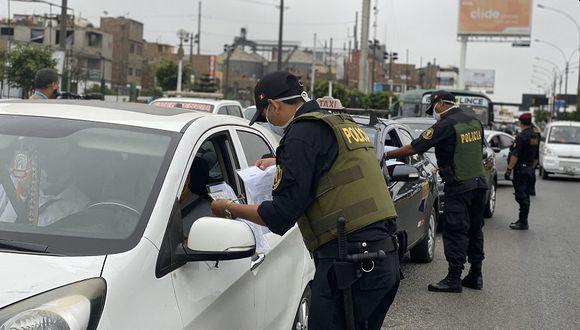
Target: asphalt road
point(531, 278)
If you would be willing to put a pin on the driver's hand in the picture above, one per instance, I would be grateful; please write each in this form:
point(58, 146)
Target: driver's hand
point(264, 163)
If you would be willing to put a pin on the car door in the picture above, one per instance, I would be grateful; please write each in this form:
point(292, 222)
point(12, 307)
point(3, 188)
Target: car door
point(279, 269)
point(215, 295)
point(419, 189)
point(506, 142)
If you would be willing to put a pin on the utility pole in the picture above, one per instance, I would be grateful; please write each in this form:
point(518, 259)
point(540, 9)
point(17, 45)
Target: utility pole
point(62, 43)
point(279, 66)
point(313, 73)
point(330, 61)
point(363, 82)
point(191, 37)
point(355, 31)
point(198, 27)
point(181, 34)
point(462, 56)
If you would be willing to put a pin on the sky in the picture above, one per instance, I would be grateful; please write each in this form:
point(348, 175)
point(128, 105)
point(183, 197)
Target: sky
point(426, 28)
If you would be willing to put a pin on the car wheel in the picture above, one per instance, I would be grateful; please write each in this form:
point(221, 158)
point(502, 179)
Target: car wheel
point(301, 319)
point(490, 205)
point(544, 174)
point(424, 252)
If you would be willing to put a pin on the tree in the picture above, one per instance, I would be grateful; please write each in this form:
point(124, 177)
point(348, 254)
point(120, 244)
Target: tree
point(23, 62)
point(166, 74)
point(206, 84)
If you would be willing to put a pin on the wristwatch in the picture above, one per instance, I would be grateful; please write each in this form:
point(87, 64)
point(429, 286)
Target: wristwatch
point(228, 213)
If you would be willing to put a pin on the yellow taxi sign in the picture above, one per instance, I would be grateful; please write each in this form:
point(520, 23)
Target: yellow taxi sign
point(328, 102)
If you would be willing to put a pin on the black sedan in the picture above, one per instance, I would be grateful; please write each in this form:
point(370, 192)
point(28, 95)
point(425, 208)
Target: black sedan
point(413, 186)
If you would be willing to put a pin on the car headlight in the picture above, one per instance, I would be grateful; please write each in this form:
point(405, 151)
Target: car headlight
point(548, 151)
point(71, 307)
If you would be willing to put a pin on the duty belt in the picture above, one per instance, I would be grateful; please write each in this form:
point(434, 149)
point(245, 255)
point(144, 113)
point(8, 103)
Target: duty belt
point(524, 164)
point(329, 251)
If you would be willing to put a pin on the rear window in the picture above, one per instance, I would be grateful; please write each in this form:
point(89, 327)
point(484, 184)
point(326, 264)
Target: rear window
point(185, 105)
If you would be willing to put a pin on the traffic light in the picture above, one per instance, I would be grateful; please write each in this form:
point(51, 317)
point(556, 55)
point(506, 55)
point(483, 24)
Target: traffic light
point(394, 56)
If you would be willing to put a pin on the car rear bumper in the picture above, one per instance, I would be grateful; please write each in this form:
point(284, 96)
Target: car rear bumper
point(562, 166)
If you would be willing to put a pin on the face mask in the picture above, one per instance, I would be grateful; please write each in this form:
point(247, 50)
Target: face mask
point(284, 125)
point(437, 115)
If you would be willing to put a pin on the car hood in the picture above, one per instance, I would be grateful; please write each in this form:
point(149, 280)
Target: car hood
point(25, 275)
point(565, 150)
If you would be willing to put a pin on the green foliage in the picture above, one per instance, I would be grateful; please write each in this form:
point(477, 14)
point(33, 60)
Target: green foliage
point(574, 116)
point(353, 98)
point(205, 84)
point(541, 117)
point(166, 74)
point(24, 61)
point(97, 89)
point(154, 92)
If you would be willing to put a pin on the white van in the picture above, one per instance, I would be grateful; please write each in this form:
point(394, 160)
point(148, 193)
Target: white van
point(560, 149)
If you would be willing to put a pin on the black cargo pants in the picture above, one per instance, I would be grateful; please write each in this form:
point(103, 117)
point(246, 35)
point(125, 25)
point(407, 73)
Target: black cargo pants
point(372, 295)
point(523, 177)
point(462, 230)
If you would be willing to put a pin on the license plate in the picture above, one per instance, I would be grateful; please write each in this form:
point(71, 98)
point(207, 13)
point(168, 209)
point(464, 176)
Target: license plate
point(569, 170)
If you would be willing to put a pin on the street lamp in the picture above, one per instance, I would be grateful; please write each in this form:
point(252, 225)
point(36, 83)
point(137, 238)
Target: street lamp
point(566, 60)
point(181, 34)
point(561, 12)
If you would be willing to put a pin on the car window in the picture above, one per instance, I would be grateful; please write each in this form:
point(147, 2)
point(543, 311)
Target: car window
point(505, 141)
point(223, 110)
point(495, 142)
point(234, 110)
point(214, 162)
point(564, 135)
point(254, 147)
point(406, 139)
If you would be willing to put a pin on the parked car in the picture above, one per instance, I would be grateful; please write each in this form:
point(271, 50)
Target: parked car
point(560, 149)
point(413, 187)
point(249, 113)
point(417, 125)
point(119, 250)
point(500, 143)
point(221, 107)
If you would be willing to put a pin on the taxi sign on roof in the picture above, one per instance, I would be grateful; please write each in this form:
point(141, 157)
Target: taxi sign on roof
point(328, 102)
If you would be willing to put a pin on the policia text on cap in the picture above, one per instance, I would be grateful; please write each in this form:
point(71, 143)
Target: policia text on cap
point(458, 140)
point(326, 170)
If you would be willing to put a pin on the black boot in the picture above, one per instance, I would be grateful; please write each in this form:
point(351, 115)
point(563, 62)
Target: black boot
point(451, 283)
point(519, 225)
point(474, 279)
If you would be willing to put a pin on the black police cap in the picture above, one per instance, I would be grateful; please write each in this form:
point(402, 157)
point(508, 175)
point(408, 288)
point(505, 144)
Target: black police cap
point(273, 86)
point(45, 77)
point(437, 96)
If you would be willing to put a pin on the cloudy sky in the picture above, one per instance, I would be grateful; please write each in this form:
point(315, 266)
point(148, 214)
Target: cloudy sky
point(427, 28)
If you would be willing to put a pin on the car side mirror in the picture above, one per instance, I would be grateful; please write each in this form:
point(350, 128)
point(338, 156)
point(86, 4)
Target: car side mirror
point(405, 173)
point(213, 239)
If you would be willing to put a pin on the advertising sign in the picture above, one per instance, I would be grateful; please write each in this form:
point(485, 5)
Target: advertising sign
point(479, 78)
point(495, 18)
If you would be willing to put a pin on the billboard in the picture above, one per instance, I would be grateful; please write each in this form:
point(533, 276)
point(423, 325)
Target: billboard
point(476, 78)
point(495, 18)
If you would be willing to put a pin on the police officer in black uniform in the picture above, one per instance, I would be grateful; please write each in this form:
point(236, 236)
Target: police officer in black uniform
point(538, 136)
point(523, 155)
point(325, 169)
point(457, 138)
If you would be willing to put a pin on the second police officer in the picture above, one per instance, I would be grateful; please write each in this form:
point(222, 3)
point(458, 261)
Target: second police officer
point(457, 138)
point(326, 168)
point(522, 160)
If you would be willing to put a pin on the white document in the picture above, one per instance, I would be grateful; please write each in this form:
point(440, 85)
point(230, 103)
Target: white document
point(392, 162)
point(225, 191)
point(259, 183)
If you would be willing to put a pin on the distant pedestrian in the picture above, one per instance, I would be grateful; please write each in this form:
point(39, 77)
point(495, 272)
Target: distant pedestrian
point(522, 159)
point(45, 85)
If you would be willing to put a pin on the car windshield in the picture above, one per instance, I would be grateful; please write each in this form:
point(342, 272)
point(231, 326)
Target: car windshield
point(565, 135)
point(371, 132)
point(78, 187)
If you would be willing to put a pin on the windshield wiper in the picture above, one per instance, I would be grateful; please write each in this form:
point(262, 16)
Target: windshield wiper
point(13, 245)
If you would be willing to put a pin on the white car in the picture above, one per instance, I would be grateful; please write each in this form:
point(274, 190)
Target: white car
point(500, 143)
point(221, 107)
point(93, 214)
point(560, 149)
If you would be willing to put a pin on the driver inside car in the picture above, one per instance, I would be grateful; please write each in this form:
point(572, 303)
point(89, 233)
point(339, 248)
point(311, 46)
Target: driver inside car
point(58, 196)
point(194, 200)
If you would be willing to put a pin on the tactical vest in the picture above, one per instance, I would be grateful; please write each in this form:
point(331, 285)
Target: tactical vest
point(354, 187)
point(467, 160)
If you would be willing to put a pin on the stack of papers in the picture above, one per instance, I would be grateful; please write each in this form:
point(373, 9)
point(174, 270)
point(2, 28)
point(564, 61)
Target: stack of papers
point(225, 191)
point(259, 183)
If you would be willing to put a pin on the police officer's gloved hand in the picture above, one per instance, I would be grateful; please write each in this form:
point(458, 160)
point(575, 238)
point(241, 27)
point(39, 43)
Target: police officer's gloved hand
point(508, 175)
